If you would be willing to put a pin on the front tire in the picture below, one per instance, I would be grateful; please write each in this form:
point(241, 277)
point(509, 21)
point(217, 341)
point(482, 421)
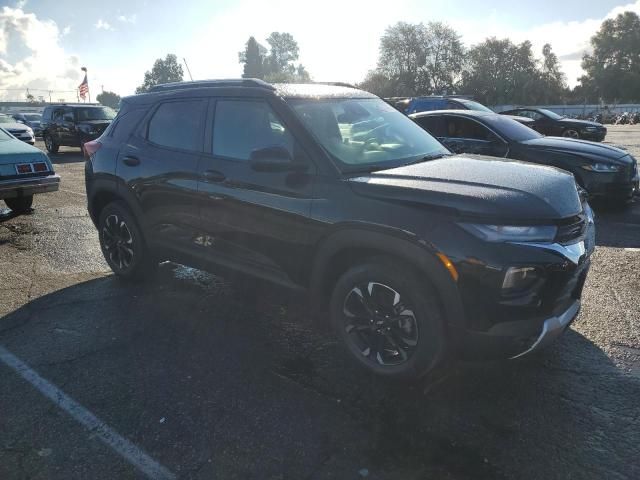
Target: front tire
point(571, 133)
point(20, 204)
point(123, 244)
point(388, 320)
point(52, 147)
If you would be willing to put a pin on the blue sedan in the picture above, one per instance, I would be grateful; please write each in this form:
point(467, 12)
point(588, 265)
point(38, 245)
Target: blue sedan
point(24, 171)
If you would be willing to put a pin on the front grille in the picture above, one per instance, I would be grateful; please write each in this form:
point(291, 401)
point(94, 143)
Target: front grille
point(573, 230)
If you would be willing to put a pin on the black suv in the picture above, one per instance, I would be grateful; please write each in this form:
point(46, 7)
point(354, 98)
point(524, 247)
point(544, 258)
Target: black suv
point(416, 253)
point(72, 125)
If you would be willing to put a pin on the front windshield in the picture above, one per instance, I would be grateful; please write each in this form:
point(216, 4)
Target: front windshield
point(512, 129)
point(550, 114)
point(366, 133)
point(472, 105)
point(95, 113)
point(6, 119)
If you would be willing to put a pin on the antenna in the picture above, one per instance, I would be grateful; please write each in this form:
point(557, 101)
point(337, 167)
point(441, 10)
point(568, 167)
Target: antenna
point(186, 65)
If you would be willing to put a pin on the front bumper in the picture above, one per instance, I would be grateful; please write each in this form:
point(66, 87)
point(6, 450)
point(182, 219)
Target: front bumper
point(552, 328)
point(597, 136)
point(22, 187)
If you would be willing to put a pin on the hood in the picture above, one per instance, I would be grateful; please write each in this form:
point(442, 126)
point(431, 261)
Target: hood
point(523, 120)
point(579, 123)
point(592, 150)
point(14, 126)
point(478, 186)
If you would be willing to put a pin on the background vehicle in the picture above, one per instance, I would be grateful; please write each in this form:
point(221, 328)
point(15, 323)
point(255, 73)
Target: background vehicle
point(73, 125)
point(18, 130)
point(603, 170)
point(552, 124)
point(331, 190)
point(24, 171)
point(30, 119)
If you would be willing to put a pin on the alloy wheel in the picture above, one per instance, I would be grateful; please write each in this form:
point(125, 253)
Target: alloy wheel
point(117, 242)
point(571, 134)
point(380, 324)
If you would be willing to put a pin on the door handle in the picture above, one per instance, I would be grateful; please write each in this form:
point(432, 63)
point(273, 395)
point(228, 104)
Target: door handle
point(214, 176)
point(131, 161)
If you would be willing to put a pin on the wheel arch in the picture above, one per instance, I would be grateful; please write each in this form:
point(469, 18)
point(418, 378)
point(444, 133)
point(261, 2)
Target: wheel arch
point(348, 247)
point(103, 192)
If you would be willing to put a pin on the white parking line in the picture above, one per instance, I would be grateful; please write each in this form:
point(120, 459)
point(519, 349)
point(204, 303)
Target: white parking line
point(110, 437)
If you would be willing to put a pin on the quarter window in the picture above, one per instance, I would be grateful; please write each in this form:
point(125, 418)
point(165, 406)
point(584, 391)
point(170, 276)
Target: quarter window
point(178, 125)
point(241, 127)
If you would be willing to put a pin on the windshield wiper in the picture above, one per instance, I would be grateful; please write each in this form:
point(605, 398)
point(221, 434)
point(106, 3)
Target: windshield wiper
point(431, 156)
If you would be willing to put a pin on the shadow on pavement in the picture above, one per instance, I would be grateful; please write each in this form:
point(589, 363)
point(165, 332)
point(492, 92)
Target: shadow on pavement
point(216, 380)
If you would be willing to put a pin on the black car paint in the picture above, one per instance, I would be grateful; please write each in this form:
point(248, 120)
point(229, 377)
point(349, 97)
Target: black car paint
point(558, 128)
point(565, 153)
point(297, 228)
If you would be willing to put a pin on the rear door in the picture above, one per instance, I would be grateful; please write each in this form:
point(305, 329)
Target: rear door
point(159, 166)
point(257, 220)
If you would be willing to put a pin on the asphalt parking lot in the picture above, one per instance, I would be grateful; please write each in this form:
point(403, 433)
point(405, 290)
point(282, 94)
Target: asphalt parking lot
point(196, 377)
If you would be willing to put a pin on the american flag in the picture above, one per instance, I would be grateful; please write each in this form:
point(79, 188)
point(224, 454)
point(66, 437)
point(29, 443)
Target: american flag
point(84, 86)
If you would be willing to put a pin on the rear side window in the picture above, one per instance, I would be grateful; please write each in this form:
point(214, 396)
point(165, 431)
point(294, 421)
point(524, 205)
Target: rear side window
point(243, 126)
point(124, 125)
point(178, 125)
point(434, 125)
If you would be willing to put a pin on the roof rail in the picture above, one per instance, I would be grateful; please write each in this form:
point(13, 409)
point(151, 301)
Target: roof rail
point(232, 82)
point(336, 84)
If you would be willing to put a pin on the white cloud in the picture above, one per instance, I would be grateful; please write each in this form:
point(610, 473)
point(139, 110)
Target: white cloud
point(41, 63)
point(66, 30)
point(102, 25)
point(128, 19)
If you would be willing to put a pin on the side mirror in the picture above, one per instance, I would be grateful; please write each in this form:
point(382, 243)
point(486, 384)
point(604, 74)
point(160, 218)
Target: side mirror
point(273, 159)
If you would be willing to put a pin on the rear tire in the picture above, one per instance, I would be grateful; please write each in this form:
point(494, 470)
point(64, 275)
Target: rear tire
point(388, 319)
point(123, 244)
point(52, 147)
point(20, 204)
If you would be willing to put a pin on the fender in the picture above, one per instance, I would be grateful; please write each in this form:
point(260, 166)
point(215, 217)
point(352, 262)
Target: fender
point(102, 184)
point(398, 244)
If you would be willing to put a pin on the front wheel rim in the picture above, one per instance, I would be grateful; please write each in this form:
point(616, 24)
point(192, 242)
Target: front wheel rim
point(379, 324)
point(571, 134)
point(117, 242)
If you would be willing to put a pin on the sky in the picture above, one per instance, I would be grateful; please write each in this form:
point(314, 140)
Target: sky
point(44, 43)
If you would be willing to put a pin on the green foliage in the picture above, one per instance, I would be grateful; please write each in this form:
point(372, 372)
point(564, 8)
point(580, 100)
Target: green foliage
point(109, 99)
point(277, 64)
point(613, 69)
point(253, 57)
point(163, 71)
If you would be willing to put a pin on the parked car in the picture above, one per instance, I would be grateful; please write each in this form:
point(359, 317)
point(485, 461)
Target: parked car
point(415, 253)
point(412, 105)
point(18, 130)
point(73, 125)
point(31, 119)
point(550, 123)
point(24, 171)
point(604, 171)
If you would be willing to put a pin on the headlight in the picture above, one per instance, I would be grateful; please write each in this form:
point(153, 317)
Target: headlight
point(591, 129)
point(519, 278)
point(30, 131)
point(602, 167)
point(511, 233)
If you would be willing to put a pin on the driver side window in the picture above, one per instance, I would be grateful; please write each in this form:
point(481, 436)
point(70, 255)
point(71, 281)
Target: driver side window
point(242, 126)
point(458, 127)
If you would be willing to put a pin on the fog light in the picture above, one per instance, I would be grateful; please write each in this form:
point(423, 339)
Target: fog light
point(520, 278)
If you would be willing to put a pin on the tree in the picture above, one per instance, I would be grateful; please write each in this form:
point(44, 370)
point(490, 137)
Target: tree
point(402, 55)
point(283, 51)
point(379, 83)
point(30, 98)
point(500, 72)
point(276, 65)
point(253, 57)
point(109, 99)
point(613, 69)
point(163, 71)
point(444, 58)
point(554, 84)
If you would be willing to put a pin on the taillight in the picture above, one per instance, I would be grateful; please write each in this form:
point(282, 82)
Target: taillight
point(40, 167)
point(91, 147)
point(24, 168)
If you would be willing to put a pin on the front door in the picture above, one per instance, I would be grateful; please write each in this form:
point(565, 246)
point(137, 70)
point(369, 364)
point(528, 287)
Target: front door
point(465, 135)
point(159, 164)
point(259, 220)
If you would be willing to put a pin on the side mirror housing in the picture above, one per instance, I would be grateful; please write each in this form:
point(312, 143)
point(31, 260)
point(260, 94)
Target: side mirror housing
point(273, 159)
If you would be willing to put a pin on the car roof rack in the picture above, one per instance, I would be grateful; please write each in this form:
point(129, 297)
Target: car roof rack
point(233, 82)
